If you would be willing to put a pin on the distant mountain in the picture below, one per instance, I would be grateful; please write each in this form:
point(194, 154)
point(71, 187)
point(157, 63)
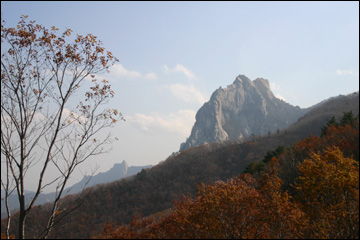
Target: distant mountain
point(117, 172)
point(243, 109)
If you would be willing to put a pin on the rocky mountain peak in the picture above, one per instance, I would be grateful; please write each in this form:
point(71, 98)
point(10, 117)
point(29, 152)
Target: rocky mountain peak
point(263, 85)
point(242, 109)
point(261, 82)
point(120, 168)
point(241, 79)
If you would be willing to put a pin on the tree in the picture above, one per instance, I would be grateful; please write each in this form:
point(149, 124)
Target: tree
point(331, 122)
point(328, 191)
point(254, 168)
point(348, 118)
point(44, 120)
point(273, 153)
point(239, 208)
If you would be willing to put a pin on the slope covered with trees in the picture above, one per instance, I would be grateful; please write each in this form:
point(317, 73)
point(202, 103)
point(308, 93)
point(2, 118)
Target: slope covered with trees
point(323, 203)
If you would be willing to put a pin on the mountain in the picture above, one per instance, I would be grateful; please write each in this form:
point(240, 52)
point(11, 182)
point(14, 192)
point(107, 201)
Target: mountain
point(117, 172)
point(243, 109)
point(318, 116)
point(153, 190)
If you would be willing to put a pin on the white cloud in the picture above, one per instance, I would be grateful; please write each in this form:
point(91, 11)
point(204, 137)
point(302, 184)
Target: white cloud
point(181, 69)
point(179, 123)
point(186, 93)
point(72, 117)
point(343, 72)
point(151, 76)
point(280, 97)
point(119, 71)
point(276, 90)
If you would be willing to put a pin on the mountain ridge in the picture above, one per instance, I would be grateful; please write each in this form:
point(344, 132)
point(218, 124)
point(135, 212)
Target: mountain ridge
point(117, 172)
point(242, 109)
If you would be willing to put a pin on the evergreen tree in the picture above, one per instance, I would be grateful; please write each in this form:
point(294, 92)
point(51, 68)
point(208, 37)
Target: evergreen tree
point(348, 118)
point(331, 122)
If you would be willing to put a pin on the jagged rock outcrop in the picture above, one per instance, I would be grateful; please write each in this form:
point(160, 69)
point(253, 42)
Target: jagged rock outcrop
point(242, 109)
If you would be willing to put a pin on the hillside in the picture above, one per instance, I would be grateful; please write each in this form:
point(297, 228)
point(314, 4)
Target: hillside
point(321, 202)
point(152, 190)
point(333, 107)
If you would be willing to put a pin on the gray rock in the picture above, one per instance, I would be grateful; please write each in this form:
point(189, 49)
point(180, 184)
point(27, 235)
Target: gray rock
point(242, 109)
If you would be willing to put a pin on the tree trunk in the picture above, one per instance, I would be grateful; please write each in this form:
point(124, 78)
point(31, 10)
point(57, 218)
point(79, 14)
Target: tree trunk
point(22, 217)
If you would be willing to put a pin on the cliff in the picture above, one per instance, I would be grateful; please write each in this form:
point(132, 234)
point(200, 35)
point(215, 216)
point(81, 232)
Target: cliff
point(242, 109)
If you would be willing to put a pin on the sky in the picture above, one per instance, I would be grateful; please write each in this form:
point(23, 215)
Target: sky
point(174, 55)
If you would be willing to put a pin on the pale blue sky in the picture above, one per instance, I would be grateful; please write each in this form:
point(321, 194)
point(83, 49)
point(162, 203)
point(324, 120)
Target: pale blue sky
point(173, 55)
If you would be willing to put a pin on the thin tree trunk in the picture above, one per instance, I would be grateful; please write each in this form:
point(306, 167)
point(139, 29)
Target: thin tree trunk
point(22, 217)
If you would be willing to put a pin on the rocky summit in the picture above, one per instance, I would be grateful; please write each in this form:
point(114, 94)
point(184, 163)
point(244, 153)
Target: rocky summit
point(242, 109)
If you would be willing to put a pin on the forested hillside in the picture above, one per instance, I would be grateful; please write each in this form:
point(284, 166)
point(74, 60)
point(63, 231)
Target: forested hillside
point(153, 190)
point(318, 199)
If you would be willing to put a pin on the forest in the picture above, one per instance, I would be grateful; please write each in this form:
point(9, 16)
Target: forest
point(309, 190)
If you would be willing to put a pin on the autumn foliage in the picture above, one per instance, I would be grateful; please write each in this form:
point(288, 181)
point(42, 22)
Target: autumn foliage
point(238, 208)
point(323, 203)
point(328, 190)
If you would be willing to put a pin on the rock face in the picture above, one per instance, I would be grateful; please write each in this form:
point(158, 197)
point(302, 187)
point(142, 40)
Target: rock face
point(242, 109)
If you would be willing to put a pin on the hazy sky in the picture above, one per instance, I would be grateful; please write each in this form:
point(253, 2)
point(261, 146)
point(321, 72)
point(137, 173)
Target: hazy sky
point(173, 55)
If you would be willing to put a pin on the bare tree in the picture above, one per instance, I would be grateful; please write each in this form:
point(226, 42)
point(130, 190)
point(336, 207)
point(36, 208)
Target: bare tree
point(48, 120)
